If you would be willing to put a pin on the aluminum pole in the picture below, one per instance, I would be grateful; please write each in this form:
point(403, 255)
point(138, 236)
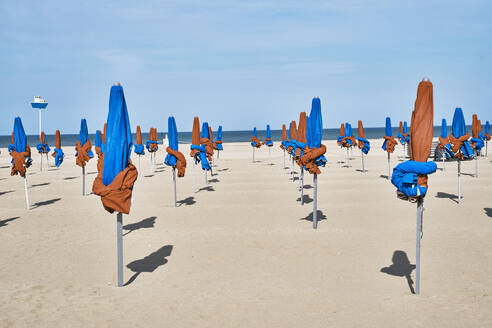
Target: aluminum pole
point(119, 242)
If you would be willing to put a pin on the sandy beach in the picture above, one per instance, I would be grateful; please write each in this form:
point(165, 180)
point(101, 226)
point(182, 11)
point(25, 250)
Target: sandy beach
point(241, 252)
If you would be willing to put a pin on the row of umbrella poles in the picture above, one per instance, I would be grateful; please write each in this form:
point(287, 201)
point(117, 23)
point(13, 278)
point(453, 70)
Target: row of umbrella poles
point(256, 143)
point(304, 147)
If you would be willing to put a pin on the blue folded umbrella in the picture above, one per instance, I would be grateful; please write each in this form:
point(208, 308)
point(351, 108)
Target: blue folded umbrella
point(348, 133)
point(205, 133)
point(444, 129)
point(84, 136)
point(315, 126)
point(20, 140)
point(254, 143)
point(218, 146)
point(268, 140)
point(458, 130)
point(98, 141)
point(172, 131)
point(387, 132)
point(405, 176)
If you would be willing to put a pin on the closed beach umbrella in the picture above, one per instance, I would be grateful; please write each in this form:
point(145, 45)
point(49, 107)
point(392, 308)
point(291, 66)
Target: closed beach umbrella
point(152, 146)
point(300, 146)
point(284, 141)
point(341, 134)
point(218, 141)
point(199, 151)
point(21, 154)
point(476, 141)
point(83, 150)
point(389, 143)
point(364, 144)
point(98, 144)
point(114, 182)
point(487, 136)
point(43, 149)
point(268, 139)
point(410, 177)
point(206, 141)
point(58, 152)
point(174, 158)
point(458, 146)
point(290, 148)
point(443, 140)
point(313, 156)
point(139, 148)
point(255, 142)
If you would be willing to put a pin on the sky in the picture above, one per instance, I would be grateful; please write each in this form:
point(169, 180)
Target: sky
point(242, 63)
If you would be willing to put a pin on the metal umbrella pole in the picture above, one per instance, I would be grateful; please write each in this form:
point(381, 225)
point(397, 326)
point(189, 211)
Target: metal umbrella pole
point(443, 158)
point(119, 245)
point(174, 181)
point(27, 194)
point(389, 166)
point(315, 201)
point(83, 180)
point(253, 154)
point(420, 208)
point(269, 159)
point(41, 162)
point(206, 180)
point(138, 163)
point(476, 164)
point(459, 183)
point(47, 160)
point(284, 160)
point(302, 185)
point(292, 168)
point(362, 158)
point(194, 174)
point(348, 158)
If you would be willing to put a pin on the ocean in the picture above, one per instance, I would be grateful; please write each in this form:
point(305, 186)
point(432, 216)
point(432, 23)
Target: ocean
point(227, 136)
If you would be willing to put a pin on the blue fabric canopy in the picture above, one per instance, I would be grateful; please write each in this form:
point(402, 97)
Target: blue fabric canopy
point(118, 137)
point(218, 146)
point(387, 132)
point(268, 140)
point(444, 128)
point(458, 129)
point(43, 147)
point(172, 131)
point(348, 133)
point(58, 156)
point(315, 127)
point(205, 133)
point(401, 137)
point(405, 177)
point(253, 143)
point(487, 127)
point(98, 142)
point(83, 136)
point(20, 140)
point(202, 156)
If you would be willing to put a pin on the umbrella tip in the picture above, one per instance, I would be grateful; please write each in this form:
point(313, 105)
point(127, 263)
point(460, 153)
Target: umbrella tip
point(117, 83)
point(425, 79)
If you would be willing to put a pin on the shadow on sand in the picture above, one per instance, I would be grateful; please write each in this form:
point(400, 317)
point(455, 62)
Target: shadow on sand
point(308, 187)
point(222, 170)
point(144, 224)
point(149, 263)
point(453, 197)
point(46, 202)
point(384, 176)
point(207, 188)
point(40, 184)
point(5, 192)
point(70, 178)
point(321, 217)
point(306, 198)
point(187, 201)
point(488, 211)
point(401, 267)
point(3, 223)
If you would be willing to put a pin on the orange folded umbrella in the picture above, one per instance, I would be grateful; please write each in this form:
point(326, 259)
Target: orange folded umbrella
point(284, 136)
point(301, 133)
point(195, 136)
point(293, 134)
point(342, 134)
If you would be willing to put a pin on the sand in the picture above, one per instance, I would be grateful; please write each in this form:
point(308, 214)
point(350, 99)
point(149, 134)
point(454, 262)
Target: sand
point(241, 252)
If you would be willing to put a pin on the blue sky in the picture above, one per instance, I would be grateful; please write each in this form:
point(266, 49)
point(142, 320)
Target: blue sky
point(242, 63)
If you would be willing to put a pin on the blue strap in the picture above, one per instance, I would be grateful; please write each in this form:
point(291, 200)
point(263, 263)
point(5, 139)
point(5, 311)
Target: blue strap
point(405, 176)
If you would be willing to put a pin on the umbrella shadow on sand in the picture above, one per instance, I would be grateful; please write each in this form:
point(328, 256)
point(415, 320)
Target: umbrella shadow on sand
point(320, 216)
point(401, 267)
point(306, 199)
point(144, 224)
point(5, 222)
point(44, 203)
point(453, 197)
point(187, 201)
point(149, 263)
point(488, 211)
